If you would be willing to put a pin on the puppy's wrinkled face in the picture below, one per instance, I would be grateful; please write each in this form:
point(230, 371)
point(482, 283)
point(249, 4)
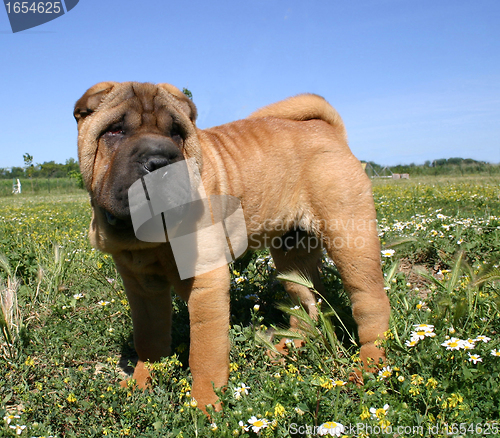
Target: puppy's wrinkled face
point(135, 134)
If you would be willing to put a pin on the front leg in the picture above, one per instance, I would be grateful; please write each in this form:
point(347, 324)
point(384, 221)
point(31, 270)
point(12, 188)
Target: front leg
point(151, 307)
point(208, 304)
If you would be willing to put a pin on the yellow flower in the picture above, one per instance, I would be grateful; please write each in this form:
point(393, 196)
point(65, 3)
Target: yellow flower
point(185, 386)
point(233, 366)
point(432, 383)
point(416, 379)
point(365, 413)
point(279, 411)
point(355, 358)
point(454, 400)
point(71, 398)
point(384, 424)
point(414, 391)
point(326, 383)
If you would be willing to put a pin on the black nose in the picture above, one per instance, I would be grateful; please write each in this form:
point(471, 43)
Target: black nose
point(153, 152)
point(154, 163)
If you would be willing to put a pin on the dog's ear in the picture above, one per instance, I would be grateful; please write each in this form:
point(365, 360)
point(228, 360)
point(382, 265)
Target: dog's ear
point(187, 104)
point(89, 102)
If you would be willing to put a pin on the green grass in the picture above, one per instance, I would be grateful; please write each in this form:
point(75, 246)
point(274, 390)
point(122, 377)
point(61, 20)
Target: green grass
point(40, 186)
point(66, 330)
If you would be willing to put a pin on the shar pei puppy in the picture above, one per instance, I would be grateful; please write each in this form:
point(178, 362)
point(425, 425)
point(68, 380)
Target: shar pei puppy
point(281, 177)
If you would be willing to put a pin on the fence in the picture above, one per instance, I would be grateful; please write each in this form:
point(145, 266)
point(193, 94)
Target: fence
point(40, 186)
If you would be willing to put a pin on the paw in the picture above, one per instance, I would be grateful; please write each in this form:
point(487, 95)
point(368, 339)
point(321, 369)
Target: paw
point(141, 378)
point(283, 348)
point(371, 357)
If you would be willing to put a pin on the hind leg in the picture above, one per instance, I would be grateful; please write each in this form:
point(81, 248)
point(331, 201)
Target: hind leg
point(352, 242)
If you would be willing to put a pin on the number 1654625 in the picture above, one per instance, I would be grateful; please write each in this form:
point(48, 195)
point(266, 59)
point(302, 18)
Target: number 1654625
point(34, 7)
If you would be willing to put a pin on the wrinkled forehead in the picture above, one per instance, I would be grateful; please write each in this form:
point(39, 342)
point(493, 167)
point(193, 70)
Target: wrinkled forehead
point(141, 105)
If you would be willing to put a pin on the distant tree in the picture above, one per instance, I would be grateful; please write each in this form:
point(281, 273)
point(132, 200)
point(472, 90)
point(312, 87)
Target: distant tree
point(28, 160)
point(28, 167)
point(49, 169)
point(187, 93)
point(16, 172)
point(77, 177)
point(71, 166)
point(455, 161)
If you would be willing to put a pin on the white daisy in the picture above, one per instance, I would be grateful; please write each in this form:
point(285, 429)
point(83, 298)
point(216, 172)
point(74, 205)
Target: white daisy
point(412, 342)
point(240, 391)
point(453, 344)
point(9, 418)
point(257, 424)
point(482, 338)
point(385, 373)
point(388, 252)
point(424, 327)
point(379, 414)
point(474, 358)
point(331, 428)
point(19, 429)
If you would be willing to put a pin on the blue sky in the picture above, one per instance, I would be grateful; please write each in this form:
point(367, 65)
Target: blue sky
point(414, 80)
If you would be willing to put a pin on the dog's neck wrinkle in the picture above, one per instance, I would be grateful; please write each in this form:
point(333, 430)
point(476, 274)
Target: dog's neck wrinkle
point(213, 173)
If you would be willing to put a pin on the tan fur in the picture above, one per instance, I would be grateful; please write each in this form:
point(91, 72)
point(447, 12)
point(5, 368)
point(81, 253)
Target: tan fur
point(290, 165)
point(301, 108)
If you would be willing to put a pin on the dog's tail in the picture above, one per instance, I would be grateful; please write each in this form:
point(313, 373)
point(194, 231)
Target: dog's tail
point(301, 108)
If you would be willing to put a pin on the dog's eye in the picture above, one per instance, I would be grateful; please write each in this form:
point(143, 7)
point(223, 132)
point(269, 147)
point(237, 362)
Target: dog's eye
point(116, 129)
point(116, 132)
point(176, 135)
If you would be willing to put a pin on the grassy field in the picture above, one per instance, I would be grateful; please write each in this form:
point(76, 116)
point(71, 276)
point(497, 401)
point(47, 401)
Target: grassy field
point(40, 186)
point(66, 335)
